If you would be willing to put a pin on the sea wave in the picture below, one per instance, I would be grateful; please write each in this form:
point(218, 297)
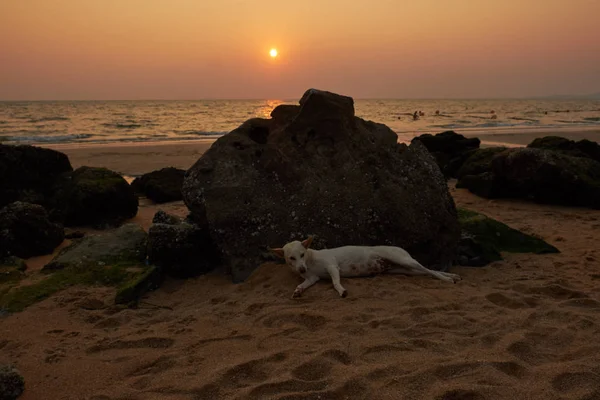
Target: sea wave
point(48, 139)
point(200, 133)
point(118, 125)
point(46, 119)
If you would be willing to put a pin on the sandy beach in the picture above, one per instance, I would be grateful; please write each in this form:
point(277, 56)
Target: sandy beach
point(525, 327)
point(134, 159)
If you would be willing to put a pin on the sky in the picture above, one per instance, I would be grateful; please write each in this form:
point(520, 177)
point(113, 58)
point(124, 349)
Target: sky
point(203, 49)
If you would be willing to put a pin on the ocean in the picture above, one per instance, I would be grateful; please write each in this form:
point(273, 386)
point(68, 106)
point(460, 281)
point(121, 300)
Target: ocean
point(52, 122)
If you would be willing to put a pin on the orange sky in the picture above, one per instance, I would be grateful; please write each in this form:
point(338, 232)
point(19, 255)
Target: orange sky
point(196, 49)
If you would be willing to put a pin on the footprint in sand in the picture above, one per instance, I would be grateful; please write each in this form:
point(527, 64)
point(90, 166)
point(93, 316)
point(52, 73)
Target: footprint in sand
point(570, 381)
point(240, 376)
point(146, 343)
point(309, 321)
point(313, 370)
point(460, 394)
point(161, 364)
point(501, 300)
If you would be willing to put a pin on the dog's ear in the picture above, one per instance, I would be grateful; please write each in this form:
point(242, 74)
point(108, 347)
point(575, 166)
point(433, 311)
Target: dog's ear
point(277, 252)
point(306, 243)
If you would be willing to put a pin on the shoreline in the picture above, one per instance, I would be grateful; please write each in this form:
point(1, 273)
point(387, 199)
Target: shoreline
point(137, 158)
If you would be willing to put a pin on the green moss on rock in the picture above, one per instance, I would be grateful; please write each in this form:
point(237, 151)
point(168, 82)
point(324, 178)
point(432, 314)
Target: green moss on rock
point(489, 237)
point(131, 290)
point(22, 297)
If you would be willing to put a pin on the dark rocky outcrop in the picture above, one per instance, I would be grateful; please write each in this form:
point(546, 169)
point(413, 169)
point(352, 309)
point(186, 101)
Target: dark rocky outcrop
point(26, 231)
point(160, 186)
point(479, 161)
point(94, 196)
point(449, 149)
point(181, 248)
point(544, 176)
point(123, 246)
point(317, 169)
point(583, 148)
point(162, 217)
point(12, 383)
point(483, 239)
point(28, 173)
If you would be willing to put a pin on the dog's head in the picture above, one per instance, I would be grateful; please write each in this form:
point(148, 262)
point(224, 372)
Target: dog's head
point(294, 254)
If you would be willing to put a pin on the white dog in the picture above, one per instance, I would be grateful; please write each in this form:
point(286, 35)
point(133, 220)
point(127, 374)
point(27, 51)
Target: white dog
point(350, 261)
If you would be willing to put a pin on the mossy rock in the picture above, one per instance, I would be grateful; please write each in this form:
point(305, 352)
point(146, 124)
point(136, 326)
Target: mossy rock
point(583, 148)
point(94, 196)
point(160, 186)
point(483, 239)
point(125, 245)
point(114, 259)
point(131, 291)
point(18, 298)
point(11, 269)
point(479, 161)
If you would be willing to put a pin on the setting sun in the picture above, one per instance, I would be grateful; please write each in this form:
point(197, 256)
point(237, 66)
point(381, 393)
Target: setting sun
point(273, 53)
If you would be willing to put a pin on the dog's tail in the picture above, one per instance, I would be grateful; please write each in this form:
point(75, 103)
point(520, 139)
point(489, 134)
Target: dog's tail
point(401, 257)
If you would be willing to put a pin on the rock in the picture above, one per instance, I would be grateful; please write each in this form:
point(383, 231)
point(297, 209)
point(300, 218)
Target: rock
point(28, 173)
point(182, 249)
point(548, 177)
point(162, 217)
point(583, 148)
point(12, 269)
point(483, 239)
point(160, 186)
point(123, 246)
point(26, 231)
point(131, 291)
point(94, 196)
point(284, 113)
point(449, 149)
point(484, 185)
point(12, 383)
point(479, 162)
point(541, 175)
point(323, 172)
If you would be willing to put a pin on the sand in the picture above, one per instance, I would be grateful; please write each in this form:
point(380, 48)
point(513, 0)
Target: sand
point(135, 159)
point(523, 328)
point(526, 327)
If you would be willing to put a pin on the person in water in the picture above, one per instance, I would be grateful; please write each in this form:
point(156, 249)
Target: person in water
point(415, 116)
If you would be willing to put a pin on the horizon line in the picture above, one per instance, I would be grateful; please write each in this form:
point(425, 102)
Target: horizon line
point(592, 96)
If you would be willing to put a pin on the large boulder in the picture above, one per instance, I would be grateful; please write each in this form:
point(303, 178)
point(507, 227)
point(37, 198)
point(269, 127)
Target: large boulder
point(12, 383)
point(94, 196)
point(125, 245)
point(583, 148)
point(26, 231)
point(317, 169)
point(160, 186)
point(449, 149)
point(28, 173)
point(541, 175)
point(181, 248)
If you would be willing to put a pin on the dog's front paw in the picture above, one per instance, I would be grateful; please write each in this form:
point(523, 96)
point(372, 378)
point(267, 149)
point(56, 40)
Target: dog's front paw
point(344, 293)
point(296, 294)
